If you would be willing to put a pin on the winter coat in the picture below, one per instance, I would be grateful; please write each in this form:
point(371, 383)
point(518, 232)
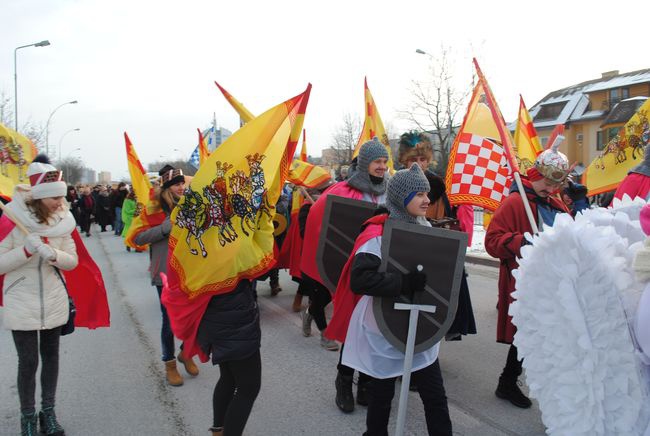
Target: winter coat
point(504, 239)
point(34, 295)
point(103, 210)
point(230, 327)
point(157, 250)
point(128, 210)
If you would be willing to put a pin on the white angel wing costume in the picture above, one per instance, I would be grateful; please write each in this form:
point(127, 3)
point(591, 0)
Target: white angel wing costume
point(576, 304)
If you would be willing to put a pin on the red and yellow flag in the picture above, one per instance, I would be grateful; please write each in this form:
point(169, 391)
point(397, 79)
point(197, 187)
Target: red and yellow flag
point(16, 153)
point(223, 229)
point(526, 141)
point(621, 154)
point(373, 126)
point(148, 211)
point(204, 154)
point(244, 114)
point(303, 173)
point(482, 157)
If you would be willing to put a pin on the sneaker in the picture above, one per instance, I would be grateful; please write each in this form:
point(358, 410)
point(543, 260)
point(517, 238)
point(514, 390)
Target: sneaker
point(328, 344)
point(306, 322)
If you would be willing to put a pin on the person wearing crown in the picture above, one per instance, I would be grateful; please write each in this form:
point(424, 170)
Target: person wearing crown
point(504, 239)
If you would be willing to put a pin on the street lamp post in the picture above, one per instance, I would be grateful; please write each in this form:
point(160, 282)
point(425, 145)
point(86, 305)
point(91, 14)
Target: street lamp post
point(61, 140)
point(47, 126)
point(43, 43)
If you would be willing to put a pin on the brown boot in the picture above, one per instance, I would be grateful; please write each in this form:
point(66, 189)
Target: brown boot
point(297, 303)
point(216, 431)
point(189, 365)
point(172, 375)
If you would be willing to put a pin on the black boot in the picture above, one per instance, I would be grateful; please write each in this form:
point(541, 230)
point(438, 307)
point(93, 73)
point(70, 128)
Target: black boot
point(508, 389)
point(344, 397)
point(49, 424)
point(28, 424)
point(362, 391)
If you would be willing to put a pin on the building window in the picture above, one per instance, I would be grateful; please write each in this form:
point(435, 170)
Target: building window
point(599, 141)
point(544, 140)
point(611, 133)
point(618, 94)
point(550, 111)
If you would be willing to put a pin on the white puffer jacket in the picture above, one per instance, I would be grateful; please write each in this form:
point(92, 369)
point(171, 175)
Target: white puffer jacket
point(34, 296)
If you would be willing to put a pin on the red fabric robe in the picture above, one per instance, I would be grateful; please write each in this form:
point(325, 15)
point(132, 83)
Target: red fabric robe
point(344, 299)
point(503, 240)
point(634, 185)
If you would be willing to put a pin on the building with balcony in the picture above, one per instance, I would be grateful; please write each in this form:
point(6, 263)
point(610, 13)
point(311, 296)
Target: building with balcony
point(591, 111)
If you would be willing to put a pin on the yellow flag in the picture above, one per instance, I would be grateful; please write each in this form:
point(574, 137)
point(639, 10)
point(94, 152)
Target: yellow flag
point(223, 229)
point(16, 153)
point(373, 126)
point(244, 114)
point(620, 155)
point(526, 141)
point(148, 212)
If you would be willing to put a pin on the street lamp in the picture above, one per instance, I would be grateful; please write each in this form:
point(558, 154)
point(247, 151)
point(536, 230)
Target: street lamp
point(61, 140)
point(43, 43)
point(47, 125)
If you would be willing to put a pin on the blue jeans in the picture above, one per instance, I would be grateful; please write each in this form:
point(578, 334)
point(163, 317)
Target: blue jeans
point(166, 335)
point(118, 224)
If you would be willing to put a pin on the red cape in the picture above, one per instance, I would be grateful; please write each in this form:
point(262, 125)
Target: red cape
point(313, 227)
point(634, 185)
point(344, 299)
point(291, 248)
point(85, 284)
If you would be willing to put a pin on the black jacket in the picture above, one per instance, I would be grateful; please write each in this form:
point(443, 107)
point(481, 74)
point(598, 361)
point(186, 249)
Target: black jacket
point(230, 327)
point(365, 278)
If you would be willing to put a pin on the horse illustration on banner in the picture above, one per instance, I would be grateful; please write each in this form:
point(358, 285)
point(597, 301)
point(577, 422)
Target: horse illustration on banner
point(11, 153)
point(227, 197)
point(635, 135)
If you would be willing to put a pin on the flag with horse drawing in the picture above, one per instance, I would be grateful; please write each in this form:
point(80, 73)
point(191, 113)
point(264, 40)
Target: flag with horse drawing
point(222, 227)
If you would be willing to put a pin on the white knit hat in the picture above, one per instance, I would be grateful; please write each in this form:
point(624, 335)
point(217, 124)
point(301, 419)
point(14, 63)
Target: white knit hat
point(46, 180)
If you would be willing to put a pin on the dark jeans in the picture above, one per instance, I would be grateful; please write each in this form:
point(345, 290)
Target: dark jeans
point(513, 368)
point(118, 224)
point(320, 297)
point(346, 370)
point(27, 346)
point(235, 393)
point(166, 335)
point(432, 392)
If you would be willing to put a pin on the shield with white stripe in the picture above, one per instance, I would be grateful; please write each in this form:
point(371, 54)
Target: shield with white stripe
point(441, 253)
point(342, 220)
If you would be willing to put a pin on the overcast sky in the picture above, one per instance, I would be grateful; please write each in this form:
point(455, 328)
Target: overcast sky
point(147, 67)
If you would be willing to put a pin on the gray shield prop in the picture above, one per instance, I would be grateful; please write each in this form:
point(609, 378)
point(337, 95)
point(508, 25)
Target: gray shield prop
point(441, 253)
point(342, 222)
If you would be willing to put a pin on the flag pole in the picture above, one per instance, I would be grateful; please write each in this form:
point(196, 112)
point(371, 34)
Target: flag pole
point(524, 199)
point(13, 219)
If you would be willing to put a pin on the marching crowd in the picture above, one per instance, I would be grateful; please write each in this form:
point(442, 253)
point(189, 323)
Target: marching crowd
point(36, 306)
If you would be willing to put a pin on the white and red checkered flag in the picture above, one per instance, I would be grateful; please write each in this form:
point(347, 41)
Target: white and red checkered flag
point(481, 160)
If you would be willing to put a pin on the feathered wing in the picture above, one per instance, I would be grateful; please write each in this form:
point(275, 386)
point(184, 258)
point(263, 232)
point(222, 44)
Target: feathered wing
point(571, 323)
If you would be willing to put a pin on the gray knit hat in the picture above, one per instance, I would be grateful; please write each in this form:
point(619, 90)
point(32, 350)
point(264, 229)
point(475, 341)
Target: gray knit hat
point(643, 167)
point(360, 179)
point(370, 151)
point(400, 187)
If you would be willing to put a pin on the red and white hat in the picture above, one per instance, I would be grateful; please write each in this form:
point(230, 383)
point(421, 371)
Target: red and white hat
point(45, 180)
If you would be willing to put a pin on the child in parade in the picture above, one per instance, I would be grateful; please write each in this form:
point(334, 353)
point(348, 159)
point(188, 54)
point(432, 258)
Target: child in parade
point(173, 185)
point(129, 206)
point(367, 183)
point(35, 298)
point(366, 349)
point(505, 238)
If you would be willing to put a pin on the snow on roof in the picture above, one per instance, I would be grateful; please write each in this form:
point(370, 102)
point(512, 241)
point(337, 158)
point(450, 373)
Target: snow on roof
point(620, 81)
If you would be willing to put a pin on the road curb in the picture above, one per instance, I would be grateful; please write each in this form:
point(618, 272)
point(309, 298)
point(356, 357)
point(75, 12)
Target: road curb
point(482, 260)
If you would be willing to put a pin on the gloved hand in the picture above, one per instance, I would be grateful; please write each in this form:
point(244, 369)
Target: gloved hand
point(166, 226)
point(47, 252)
point(413, 282)
point(32, 242)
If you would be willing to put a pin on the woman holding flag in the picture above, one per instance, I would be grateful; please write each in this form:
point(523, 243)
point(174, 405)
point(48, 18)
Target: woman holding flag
point(35, 297)
point(173, 184)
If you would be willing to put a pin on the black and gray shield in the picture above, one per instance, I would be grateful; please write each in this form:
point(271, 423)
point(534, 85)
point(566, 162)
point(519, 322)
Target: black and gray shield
point(342, 222)
point(441, 253)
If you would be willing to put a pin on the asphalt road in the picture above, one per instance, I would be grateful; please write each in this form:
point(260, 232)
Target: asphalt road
point(112, 381)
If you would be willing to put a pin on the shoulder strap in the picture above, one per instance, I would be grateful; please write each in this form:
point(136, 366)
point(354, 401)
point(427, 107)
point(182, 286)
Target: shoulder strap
point(58, 273)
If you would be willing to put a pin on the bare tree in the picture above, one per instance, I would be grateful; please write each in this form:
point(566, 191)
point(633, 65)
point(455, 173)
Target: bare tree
point(345, 138)
point(73, 169)
point(35, 132)
point(436, 105)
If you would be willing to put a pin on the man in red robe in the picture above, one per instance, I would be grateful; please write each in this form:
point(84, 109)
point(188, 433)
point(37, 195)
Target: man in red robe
point(504, 239)
point(637, 181)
